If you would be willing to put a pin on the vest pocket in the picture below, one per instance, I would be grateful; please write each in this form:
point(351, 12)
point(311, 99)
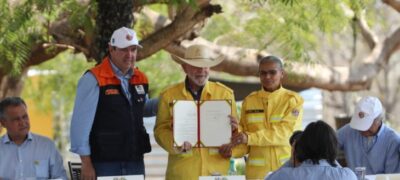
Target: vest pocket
point(145, 142)
point(109, 145)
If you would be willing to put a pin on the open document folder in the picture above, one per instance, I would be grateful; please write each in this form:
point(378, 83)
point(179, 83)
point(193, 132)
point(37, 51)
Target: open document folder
point(202, 123)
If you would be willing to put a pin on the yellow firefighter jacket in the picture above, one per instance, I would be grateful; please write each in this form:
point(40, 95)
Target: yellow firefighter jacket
point(198, 161)
point(269, 119)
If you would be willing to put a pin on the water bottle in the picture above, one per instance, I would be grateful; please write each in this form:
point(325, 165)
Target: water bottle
point(232, 168)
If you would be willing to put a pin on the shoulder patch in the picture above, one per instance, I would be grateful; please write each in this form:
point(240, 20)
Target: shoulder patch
point(295, 112)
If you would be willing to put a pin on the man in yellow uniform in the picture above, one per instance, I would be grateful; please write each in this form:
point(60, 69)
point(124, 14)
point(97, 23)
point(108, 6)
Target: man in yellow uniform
point(189, 161)
point(268, 118)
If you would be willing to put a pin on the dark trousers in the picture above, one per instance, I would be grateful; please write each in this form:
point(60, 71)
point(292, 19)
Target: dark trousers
point(119, 168)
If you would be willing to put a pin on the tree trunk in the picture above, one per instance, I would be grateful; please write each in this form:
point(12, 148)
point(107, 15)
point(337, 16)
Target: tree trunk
point(12, 85)
point(111, 16)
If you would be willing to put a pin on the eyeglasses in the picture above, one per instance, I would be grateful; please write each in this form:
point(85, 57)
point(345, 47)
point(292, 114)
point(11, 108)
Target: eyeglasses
point(272, 72)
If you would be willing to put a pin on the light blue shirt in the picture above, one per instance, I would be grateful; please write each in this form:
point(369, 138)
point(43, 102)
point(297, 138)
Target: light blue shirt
point(87, 97)
point(37, 158)
point(379, 154)
point(310, 171)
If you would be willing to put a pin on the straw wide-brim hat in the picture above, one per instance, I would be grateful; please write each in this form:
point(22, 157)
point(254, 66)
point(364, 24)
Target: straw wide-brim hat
point(199, 56)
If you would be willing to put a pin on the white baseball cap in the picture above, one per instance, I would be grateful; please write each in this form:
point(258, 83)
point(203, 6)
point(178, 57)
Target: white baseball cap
point(124, 37)
point(367, 110)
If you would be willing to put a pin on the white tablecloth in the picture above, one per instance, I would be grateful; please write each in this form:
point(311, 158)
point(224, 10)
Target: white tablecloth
point(383, 177)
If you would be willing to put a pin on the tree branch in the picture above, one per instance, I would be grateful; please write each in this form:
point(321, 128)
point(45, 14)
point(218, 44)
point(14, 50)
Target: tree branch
point(395, 4)
point(243, 62)
point(370, 37)
point(181, 24)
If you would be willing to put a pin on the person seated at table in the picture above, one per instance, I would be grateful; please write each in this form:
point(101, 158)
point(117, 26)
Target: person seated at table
point(25, 155)
point(368, 142)
point(316, 153)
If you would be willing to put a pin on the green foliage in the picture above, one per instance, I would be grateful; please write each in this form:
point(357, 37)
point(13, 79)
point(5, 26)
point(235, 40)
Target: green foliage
point(24, 23)
point(14, 42)
point(56, 81)
point(80, 16)
point(218, 27)
point(287, 28)
point(161, 71)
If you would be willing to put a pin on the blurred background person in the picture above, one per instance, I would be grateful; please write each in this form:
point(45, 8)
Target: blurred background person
point(368, 142)
point(316, 152)
point(25, 155)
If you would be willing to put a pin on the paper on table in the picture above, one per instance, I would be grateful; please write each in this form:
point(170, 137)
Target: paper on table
point(222, 177)
point(215, 128)
point(127, 177)
point(185, 122)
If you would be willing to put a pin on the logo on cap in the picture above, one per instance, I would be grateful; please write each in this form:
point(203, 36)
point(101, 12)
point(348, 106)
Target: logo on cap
point(361, 115)
point(129, 37)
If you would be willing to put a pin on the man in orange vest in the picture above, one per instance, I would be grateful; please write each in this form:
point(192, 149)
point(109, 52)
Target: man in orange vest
point(107, 123)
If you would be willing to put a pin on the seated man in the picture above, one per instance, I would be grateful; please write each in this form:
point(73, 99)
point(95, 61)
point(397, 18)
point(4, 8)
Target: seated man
point(24, 155)
point(315, 151)
point(367, 142)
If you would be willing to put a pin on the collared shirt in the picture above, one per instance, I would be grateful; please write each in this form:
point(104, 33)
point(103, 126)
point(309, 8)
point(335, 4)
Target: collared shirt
point(37, 158)
point(196, 95)
point(87, 97)
point(308, 170)
point(124, 78)
point(379, 154)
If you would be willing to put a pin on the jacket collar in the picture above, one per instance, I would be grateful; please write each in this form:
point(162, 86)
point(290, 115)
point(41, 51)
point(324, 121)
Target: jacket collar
point(110, 70)
point(206, 91)
point(266, 94)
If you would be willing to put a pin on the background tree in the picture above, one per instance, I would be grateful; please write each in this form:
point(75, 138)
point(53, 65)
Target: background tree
point(326, 44)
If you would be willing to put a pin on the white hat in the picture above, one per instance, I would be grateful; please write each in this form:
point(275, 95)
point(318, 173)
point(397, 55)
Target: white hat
point(124, 37)
point(367, 110)
point(200, 56)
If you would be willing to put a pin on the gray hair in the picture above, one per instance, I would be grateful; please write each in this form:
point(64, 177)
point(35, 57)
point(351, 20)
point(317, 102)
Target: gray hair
point(9, 101)
point(380, 117)
point(273, 59)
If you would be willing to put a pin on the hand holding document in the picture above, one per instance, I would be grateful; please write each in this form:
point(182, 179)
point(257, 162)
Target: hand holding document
point(204, 123)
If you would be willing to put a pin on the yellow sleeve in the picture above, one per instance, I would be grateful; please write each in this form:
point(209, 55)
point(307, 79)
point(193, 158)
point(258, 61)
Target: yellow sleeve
point(280, 132)
point(163, 128)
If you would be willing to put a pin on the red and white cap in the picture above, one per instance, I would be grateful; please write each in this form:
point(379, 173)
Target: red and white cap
point(124, 37)
point(367, 110)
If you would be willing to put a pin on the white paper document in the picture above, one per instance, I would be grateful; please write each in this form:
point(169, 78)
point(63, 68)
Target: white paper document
point(128, 177)
point(211, 117)
point(185, 122)
point(222, 178)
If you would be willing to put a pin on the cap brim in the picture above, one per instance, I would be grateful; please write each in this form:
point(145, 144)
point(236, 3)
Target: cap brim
point(126, 45)
point(199, 62)
point(360, 124)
